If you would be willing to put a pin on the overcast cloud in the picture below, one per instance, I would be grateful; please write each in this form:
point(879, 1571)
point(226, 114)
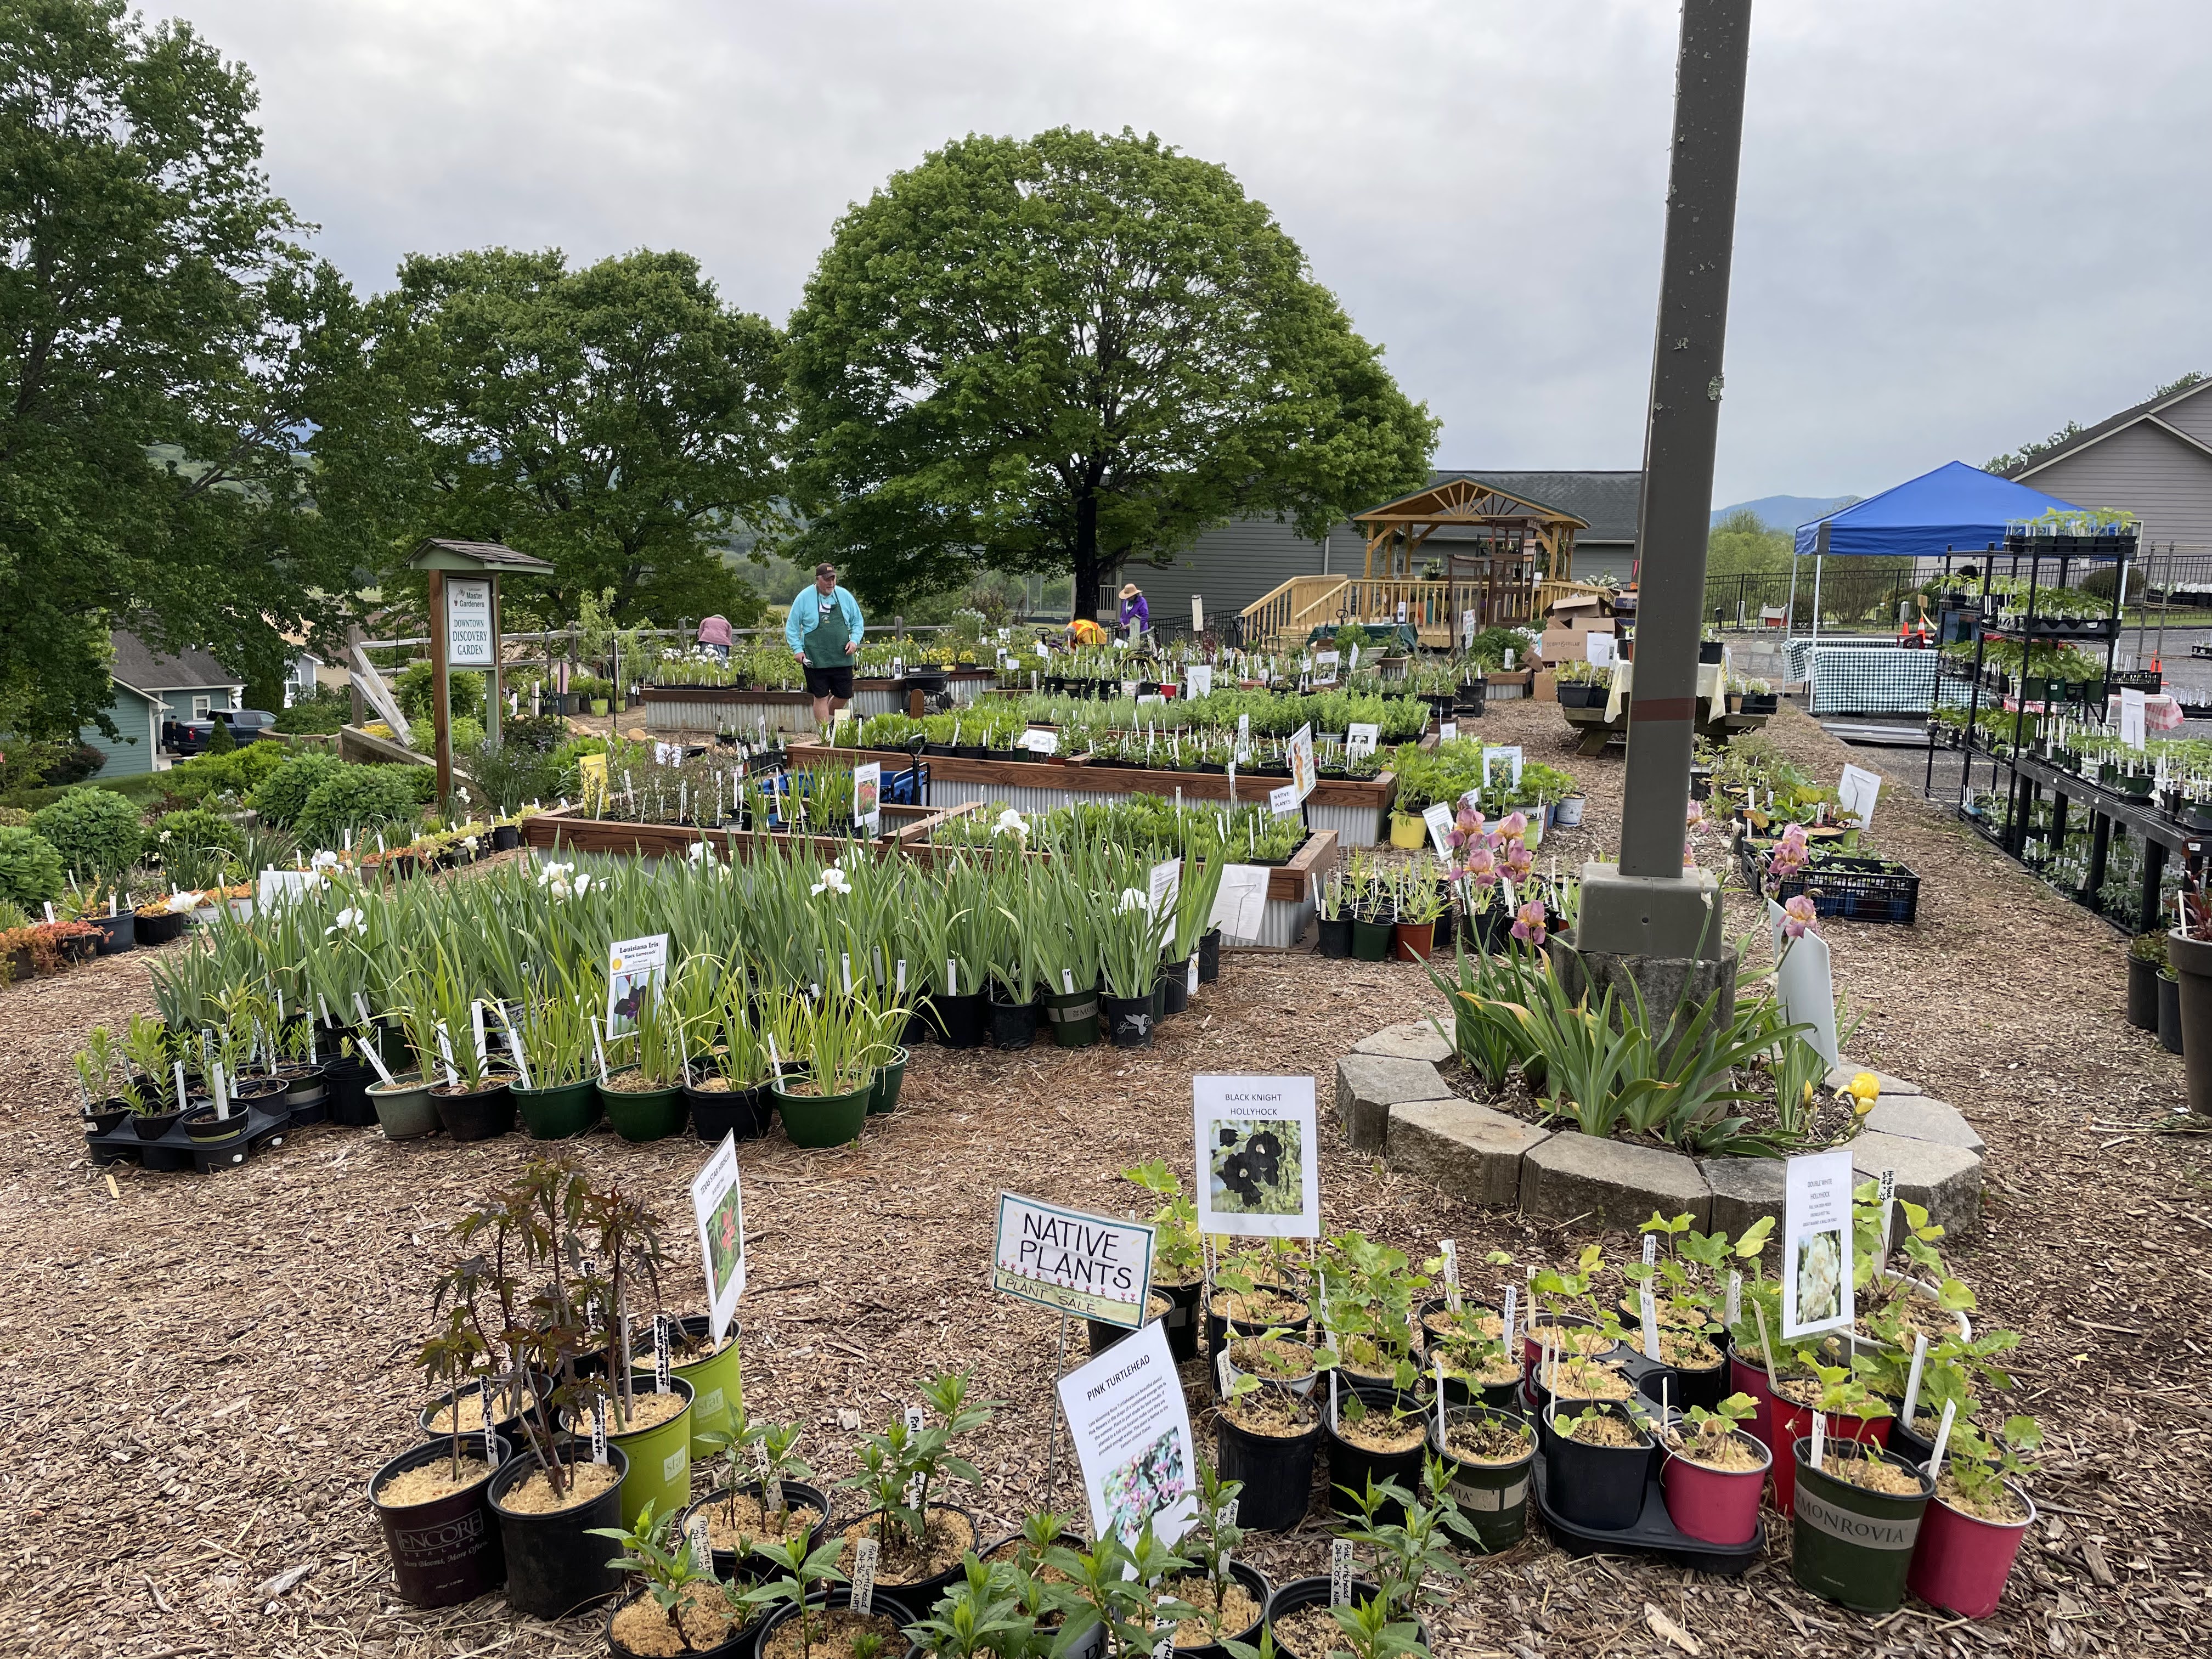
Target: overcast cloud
point(1960, 224)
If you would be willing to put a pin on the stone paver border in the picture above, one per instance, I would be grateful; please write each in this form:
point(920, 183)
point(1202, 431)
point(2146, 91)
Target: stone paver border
point(1392, 1101)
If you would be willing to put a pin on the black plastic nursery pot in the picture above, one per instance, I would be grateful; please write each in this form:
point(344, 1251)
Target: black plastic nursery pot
point(962, 1020)
point(203, 1128)
point(796, 1493)
point(1209, 955)
point(1181, 1317)
point(482, 1113)
point(161, 928)
point(2142, 994)
point(2169, 1013)
point(1159, 997)
point(745, 1113)
point(1850, 1544)
point(1255, 1584)
point(116, 933)
point(897, 1608)
point(554, 1563)
point(923, 1593)
point(1336, 937)
point(1073, 1017)
point(557, 1113)
point(1175, 985)
point(1128, 1020)
point(738, 1644)
point(448, 1551)
point(505, 838)
point(1103, 1335)
point(1350, 1464)
point(2191, 961)
point(1598, 1485)
point(1371, 941)
point(307, 1093)
point(1013, 1025)
point(1493, 1496)
point(1276, 1470)
point(1301, 1594)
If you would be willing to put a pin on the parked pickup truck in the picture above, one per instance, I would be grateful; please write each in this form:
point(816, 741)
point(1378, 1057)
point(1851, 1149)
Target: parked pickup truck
point(190, 736)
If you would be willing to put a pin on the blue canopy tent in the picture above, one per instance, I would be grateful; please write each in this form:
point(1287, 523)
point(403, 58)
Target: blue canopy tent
point(1955, 508)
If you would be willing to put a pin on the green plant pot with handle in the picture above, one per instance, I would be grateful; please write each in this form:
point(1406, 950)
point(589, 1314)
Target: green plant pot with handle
point(644, 1114)
point(2191, 961)
point(557, 1113)
point(824, 1120)
point(882, 1095)
point(404, 1109)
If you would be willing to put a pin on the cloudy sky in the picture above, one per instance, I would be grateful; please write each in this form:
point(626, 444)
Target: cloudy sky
point(1960, 224)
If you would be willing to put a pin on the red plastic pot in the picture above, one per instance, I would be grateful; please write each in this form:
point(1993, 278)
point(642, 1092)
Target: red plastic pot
point(1960, 1562)
point(1719, 1506)
point(1746, 1378)
point(1793, 1422)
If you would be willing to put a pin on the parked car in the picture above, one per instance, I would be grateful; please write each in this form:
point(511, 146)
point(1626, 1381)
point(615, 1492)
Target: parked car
point(190, 736)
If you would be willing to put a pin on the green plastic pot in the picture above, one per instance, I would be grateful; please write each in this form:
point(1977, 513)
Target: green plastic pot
point(1849, 1544)
point(1073, 1019)
point(824, 1120)
point(883, 1095)
point(599, 706)
point(659, 1457)
point(1372, 940)
point(715, 1384)
point(649, 1114)
point(404, 1109)
point(557, 1113)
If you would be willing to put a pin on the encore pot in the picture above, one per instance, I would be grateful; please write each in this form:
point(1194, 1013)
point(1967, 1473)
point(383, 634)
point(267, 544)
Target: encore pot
point(446, 1551)
point(643, 1114)
point(2191, 961)
point(1717, 1506)
point(1493, 1497)
point(1961, 1561)
point(1013, 1025)
point(1851, 1544)
point(482, 1113)
point(557, 1113)
point(823, 1119)
point(554, 1563)
point(404, 1107)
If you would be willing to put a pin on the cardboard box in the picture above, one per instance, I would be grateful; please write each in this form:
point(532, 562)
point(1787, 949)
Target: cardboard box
point(1546, 687)
point(1571, 644)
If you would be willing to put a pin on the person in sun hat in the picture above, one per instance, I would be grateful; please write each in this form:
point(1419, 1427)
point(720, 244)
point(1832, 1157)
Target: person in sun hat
point(1134, 611)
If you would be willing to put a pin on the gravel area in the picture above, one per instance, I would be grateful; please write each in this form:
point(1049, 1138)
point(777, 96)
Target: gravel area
point(205, 1370)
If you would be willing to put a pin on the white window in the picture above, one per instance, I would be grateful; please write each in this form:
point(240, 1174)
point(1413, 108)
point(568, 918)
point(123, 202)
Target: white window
point(200, 705)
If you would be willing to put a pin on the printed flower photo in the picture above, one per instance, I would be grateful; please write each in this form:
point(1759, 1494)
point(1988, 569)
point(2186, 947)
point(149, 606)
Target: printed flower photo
point(1156, 1479)
point(1819, 1277)
point(1256, 1168)
point(722, 1247)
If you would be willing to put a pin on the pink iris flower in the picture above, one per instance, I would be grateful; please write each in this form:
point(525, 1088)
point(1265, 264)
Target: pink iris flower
point(1481, 865)
point(1519, 860)
point(1790, 855)
point(1799, 918)
point(1528, 923)
point(1513, 826)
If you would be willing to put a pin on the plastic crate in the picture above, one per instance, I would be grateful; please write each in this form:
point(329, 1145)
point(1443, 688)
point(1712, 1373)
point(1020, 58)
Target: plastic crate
point(1852, 889)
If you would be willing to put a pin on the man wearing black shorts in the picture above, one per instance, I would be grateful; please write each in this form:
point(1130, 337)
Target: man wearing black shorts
point(824, 631)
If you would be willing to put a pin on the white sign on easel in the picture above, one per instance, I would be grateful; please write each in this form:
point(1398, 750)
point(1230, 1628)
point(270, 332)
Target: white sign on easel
point(1259, 1168)
point(1598, 648)
point(1240, 903)
point(1360, 738)
point(1467, 630)
point(1072, 1261)
point(718, 1204)
point(2134, 708)
point(1511, 753)
point(1437, 815)
point(1805, 984)
point(1856, 791)
point(1816, 1244)
point(1131, 1432)
point(868, 797)
point(1198, 680)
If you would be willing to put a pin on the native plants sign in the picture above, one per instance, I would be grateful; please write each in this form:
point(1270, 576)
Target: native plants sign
point(1078, 1263)
point(1259, 1173)
point(1816, 1244)
point(1131, 1432)
point(719, 1204)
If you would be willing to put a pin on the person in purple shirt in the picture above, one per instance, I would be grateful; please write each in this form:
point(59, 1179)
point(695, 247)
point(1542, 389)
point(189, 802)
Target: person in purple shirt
point(715, 634)
point(1134, 609)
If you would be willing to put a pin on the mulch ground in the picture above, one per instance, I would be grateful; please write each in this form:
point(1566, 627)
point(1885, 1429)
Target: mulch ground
point(204, 1372)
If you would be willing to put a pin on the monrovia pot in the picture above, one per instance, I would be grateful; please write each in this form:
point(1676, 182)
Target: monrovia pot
point(554, 1563)
point(404, 1107)
point(894, 1609)
point(1073, 1019)
point(1961, 1561)
point(962, 1020)
point(2191, 961)
point(1849, 1543)
point(745, 1113)
point(1597, 1486)
point(713, 1377)
point(1717, 1505)
point(1209, 955)
point(1336, 935)
point(1128, 1020)
point(1483, 1476)
point(643, 1114)
point(1371, 941)
point(1351, 1463)
point(116, 933)
point(2142, 994)
point(890, 1077)
point(1276, 1470)
point(557, 1113)
point(823, 1119)
point(2169, 1013)
point(1013, 1025)
point(659, 1454)
point(482, 1113)
point(445, 1550)
point(1411, 941)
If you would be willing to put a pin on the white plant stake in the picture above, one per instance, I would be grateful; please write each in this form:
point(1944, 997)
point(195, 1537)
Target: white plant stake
point(1451, 1249)
point(661, 1353)
point(1650, 1310)
point(599, 1430)
point(1732, 1313)
point(1438, 1362)
point(1767, 1349)
point(1512, 1307)
point(1943, 1439)
point(863, 1598)
point(1912, 1380)
point(1819, 1438)
point(1339, 1572)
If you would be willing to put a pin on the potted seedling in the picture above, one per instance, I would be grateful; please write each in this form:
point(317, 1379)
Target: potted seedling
point(1114, 1604)
point(1842, 1393)
point(432, 1500)
point(1249, 1297)
point(987, 1613)
point(681, 1608)
point(1178, 1257)
point(557, 1098)
point(157, 1105)
point(1486, 1454)
point(104, 1089)
point(1972, 1530)
point(729, 1094)
point(402, 1099)
point(649, 1416)
point(1570, 1320)
point(1227, 1597)
point(1599, 1457)
point(1715, 1473)
point(919, 1541)
point(838, 1039)
point(1265, 1440)
point(1856, 1509)
point(645, 1100)
point(761, 1496)
point(1405, 1531)
point(1679, 1281)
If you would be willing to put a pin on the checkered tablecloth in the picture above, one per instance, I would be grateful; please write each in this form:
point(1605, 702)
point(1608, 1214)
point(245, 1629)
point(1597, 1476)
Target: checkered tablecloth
point(1868, 677)
point(1712, 689)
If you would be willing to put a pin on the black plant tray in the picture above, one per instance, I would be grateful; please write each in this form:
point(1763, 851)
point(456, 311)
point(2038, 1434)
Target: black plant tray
point(1653, 1533)
point(178, 1151)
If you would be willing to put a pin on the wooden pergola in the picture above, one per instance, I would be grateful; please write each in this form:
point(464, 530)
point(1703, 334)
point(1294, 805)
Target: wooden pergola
point(1507, 526)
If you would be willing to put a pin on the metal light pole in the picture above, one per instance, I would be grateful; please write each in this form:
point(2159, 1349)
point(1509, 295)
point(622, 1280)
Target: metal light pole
point(1646, 906)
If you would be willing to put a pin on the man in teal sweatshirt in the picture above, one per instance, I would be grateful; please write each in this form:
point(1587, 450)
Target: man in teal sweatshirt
point(824, 632)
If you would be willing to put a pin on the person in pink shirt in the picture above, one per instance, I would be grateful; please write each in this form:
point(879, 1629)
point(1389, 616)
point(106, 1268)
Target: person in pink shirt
point(715, 634)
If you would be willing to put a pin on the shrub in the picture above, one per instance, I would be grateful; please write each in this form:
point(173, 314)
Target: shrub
point(77, 762)
point(236, 773)
point(361, 799)
point(321, 715)
point(13, 817)
point(95, 831)
point(280, 796)
point(466, 734)
point(196, 828)
point(30, 868)
point(220, 742)
point(464, 693)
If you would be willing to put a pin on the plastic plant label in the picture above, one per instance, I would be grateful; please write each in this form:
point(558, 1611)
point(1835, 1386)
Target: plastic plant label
point(1819, 1439)
point(1912, 1380)
point(845, 966)
point(703, 1546)
point(1650, 1251)
point(951, 977)
point(180, 1084)
point(491, 1438)
point(913, 1419)
point(901, 987)
point(1650, 1310)
point(772, 1492)
point(446, 1055)
point(1943, 1438)
point(599, 1053)
point(360, 1008)
point(477, 1021)
point(1066, 982)
point(1339, 1572)
point(598, 1431)
point(1512, 1307)
point(864, 1576)
point(1190, 975)
point(1450, 1247)
point(1221, 1372)
point(760, 1459)
point(661, 1353)
point(1448, 732)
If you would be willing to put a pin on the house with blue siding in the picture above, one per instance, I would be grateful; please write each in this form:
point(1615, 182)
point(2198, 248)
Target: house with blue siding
point(151, 687)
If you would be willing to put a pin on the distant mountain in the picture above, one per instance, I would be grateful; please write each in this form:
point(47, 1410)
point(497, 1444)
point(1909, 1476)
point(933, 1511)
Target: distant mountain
point(1787, 512)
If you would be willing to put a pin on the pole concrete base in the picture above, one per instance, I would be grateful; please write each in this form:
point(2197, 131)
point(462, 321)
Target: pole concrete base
point(1659, 937)
point(1668, 986)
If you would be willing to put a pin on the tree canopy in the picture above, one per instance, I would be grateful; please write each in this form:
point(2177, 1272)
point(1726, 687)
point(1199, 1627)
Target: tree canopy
point(620, 421)
point(153, 310)
point(1054, 354)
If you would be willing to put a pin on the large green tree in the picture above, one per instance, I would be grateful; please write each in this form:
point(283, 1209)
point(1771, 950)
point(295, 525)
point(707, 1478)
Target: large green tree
point(154, 306)
point(1060, 353)
point(621, 421)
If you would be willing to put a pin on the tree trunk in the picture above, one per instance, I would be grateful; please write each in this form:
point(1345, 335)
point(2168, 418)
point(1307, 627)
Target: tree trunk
point(1083, 602)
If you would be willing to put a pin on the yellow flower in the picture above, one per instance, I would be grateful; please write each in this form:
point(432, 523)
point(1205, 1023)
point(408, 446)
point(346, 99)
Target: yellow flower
point(1864, 1087)
point(1864, 1106)
point(1808, 1091)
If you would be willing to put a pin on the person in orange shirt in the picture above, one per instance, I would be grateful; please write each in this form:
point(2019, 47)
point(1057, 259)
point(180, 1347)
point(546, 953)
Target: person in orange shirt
point(1083, 631)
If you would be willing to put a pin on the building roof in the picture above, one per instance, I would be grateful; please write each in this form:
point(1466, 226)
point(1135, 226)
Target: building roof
point(1605, 502)
point(437, 553)
point(141, 668)
point(1465, 499)
point(2148, 410)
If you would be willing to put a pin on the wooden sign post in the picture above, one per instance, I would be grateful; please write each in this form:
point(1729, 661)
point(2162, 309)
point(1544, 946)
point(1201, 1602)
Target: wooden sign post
point(463, 600)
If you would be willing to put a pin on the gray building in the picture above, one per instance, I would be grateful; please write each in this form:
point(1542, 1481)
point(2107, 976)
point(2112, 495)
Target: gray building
point(1242, 563)
point(149, 686)
point(2154, 460)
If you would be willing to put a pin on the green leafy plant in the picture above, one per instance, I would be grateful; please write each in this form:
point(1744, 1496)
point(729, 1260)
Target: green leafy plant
point(650, 1548)
point(96, 831)
point(804, 1574)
